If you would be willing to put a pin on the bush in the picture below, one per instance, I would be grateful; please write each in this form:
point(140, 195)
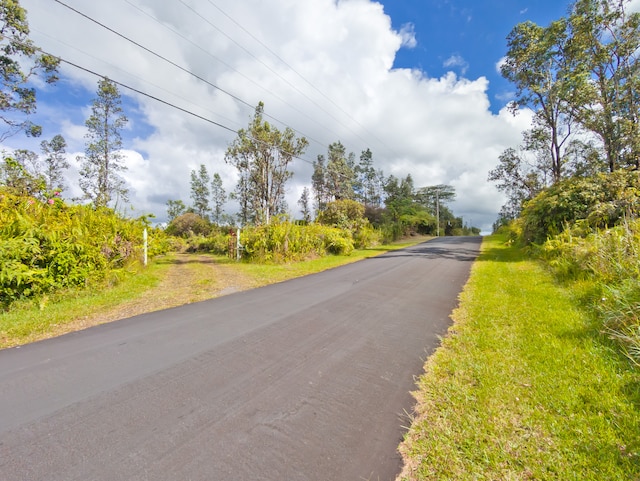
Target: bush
point(282, 241)
point(188, 225)
point(608, 261)
point(596, 202)
point(51, 245)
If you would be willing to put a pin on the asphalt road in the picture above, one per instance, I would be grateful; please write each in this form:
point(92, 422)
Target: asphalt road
point(308, 379)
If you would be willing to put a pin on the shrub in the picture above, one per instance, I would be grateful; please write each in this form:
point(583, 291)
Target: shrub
point(282, 241)
point(608, 261)
point(50, 245)
point(597, 202)
point(189, 224)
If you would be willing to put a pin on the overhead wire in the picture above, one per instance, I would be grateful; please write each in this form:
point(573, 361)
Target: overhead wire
point(127, 73)
point(238, 99)
point(169, 104)
point(256, 39)
point(176, 65)
point(273, 71)
point(230, 67)
point(153, 97)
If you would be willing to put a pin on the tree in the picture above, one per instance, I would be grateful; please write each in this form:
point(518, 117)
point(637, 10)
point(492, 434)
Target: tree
point(175, 208)
point(519, 180)
point(399, 196)
point(219, 197)
point(19, 177)
point(369, 192)
point(345, 214)
point(305, 204)
point(188, 224)
point(20, 60)
point(262, 155)
point(200, 192)
point(55, 162)
point(536, 63)
point(434, 197)
point(604, 61)
point(319, 183)
point(103, 159)
point(340, 175)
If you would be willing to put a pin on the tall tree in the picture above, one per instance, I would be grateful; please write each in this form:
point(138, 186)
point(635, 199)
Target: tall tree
point(305, 204)
point(262, 155)
point(55, 162)
point(400, 194)
point(519, 180)
point(218, 197)
point(20, 60)
point(536, 64)
point(340, 175)
point(433, 197)
point(200, 192)
point(319, 183)
point(604, 60)
point(369, 191)
point(103, 160)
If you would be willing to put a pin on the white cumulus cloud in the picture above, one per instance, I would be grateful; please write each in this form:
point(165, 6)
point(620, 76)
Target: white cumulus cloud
point(323, 67)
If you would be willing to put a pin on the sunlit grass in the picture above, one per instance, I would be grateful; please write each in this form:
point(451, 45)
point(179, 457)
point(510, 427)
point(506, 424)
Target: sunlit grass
point(524, 387)
point(31, 320)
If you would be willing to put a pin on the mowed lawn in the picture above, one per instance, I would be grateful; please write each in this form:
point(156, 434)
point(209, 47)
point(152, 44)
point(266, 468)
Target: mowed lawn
point(524, 387)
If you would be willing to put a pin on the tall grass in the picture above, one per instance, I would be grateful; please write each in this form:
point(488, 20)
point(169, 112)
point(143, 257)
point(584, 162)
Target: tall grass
point(608, 263)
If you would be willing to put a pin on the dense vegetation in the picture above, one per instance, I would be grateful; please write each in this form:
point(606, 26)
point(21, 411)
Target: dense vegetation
point(50, 245)
point(573, 186)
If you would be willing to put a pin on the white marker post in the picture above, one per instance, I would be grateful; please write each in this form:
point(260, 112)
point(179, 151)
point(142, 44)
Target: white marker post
point(144, 237)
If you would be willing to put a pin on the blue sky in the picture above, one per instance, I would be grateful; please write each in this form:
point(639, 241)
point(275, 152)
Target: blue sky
point(413, 80)
point(474, 31)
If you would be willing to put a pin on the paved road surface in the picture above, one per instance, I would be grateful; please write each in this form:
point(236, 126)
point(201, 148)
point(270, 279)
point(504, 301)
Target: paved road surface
point(302, 380)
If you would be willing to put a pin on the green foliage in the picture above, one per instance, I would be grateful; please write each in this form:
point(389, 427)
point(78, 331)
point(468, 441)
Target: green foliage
point(200, 191)
point(608, 261)
point(16, 178)
point(344, 214)
point(262, 154)
point(523, 388)
point(49, 245)
point(594, 202)
point(19, 61)
point(189, 224)
point(103, 160)
point(282, 241)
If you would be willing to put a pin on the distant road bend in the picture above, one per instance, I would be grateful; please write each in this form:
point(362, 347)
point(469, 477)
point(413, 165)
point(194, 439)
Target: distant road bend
point(303, 380)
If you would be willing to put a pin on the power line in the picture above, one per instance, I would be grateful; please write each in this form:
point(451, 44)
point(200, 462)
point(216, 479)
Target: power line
point(274, 72)
point(183, 69)
point(155, 98)
point(294, 71)
point(258, 85)
point(238, 99)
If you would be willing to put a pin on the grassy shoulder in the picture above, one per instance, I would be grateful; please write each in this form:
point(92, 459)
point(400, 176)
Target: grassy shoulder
point(168, 281)
point(523, 387)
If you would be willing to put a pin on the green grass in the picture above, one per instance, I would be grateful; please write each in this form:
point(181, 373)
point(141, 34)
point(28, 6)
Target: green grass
point(524, 386)
point(30, 320)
